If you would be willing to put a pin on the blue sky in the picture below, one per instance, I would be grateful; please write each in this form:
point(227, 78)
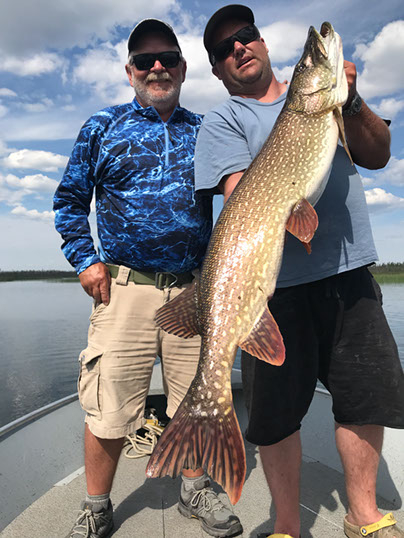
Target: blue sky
point(62, 61)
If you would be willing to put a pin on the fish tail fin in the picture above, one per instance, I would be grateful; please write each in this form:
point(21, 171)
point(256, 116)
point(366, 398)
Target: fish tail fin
point(192, 441)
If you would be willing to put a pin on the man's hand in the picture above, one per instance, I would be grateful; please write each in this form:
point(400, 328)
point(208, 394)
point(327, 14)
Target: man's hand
point(96, 281)
point(350, 72)
point(367, 135)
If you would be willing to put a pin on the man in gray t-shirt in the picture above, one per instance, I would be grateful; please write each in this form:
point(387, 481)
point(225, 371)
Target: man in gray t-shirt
point(324, 303)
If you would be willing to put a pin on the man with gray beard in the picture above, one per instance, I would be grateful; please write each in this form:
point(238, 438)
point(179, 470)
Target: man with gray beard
point(139, 159)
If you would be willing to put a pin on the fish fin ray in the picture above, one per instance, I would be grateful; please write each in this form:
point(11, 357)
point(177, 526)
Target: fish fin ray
point(340, 122)
point(178, 316)
point(303, 222)
point(193, 442)
point(265, 340)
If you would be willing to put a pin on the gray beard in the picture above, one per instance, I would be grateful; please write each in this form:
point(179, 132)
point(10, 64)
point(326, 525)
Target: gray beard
point(161, 103)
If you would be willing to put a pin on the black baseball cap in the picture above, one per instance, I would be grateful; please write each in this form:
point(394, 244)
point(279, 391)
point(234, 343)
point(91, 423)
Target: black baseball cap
point(151, 25)
point(232, 11)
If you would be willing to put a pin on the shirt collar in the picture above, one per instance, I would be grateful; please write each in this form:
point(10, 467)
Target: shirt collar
point(152, 114)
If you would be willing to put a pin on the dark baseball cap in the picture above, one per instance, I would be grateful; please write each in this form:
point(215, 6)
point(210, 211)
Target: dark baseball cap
point(232, 11)
point(147, 26)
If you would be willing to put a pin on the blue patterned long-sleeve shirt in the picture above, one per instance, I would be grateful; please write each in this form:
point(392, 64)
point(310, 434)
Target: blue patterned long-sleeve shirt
point(142, 170)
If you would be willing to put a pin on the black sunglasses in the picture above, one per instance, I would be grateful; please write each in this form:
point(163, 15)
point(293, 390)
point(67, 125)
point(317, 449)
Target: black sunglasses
point(168, 59)
point(225, 47)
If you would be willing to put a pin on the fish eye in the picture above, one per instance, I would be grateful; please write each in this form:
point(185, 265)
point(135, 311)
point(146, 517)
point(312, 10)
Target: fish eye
point(301, 67)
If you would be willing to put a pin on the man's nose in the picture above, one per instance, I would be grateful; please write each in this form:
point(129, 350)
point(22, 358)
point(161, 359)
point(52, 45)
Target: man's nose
point(238, 48)
point(157, 67)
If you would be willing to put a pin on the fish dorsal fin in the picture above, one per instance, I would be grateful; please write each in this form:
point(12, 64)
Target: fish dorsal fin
point(340, 122)
point(265, 340)
point(303, 222)
point(178, 316)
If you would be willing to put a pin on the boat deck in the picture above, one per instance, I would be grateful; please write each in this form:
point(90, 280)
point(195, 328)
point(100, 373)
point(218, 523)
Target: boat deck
point(147, 507)
point(34, 507)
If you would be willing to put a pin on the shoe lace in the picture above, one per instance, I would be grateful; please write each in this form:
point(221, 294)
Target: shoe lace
point(85, 524)
point(206, 500)
point(138, 445)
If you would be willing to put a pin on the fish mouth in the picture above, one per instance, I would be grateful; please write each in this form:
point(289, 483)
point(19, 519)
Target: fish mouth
point(325, 48)
point(320, 45)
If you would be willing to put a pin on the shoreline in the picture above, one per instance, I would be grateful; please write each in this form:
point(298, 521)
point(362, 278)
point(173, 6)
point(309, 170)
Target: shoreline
point(392, 273)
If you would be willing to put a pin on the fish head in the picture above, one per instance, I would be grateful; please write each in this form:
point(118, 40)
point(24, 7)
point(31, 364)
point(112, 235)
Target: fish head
point(319, 83)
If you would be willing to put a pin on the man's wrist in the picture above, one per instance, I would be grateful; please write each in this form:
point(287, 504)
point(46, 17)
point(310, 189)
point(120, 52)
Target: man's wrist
point(354, 107)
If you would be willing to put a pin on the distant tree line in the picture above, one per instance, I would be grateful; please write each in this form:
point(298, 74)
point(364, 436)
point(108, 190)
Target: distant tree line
point(387, 268)
point(6, 276)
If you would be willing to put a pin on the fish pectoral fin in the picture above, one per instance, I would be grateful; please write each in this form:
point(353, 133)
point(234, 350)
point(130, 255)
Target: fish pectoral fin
point(213, 442)
point(340, 122)
point(178, 316)
point(303, 222)
point(265, 340)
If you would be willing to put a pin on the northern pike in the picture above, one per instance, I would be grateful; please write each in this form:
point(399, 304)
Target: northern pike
point(228, 307)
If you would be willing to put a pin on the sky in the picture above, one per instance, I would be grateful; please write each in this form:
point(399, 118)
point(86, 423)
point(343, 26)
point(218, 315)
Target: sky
point(61, 61)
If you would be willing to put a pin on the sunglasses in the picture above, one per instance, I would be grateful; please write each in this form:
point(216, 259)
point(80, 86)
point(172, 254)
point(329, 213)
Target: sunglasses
point(146, 61)
point(225, 47)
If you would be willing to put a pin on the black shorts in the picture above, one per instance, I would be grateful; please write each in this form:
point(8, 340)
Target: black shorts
point(334, 330)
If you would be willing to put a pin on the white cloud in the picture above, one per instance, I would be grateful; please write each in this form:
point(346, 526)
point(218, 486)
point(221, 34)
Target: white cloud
point(4, 149)
point(367, 181)
point(40, 106)
point(281, 49)
point(393, 173)
point(45, 126)
point(284, 74)
point(388, 108)
point(5, 92)
point(10, 197)
point(379, 200)
point(104, 69)
point(3, 110)
point(13, 189)
point(201, 89)
point(37, 182)
point(383, 59)
point(35, 65)
point(33, 214)
point(35, 160)
point(27, 27)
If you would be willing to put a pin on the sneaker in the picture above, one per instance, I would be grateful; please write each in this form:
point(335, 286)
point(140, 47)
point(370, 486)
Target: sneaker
point(202, 502)
point(92, 522)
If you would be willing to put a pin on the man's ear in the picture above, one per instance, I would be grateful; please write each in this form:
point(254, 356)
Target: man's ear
point(215, 71)
point(184, 70)
point(129, 73)
point(262, 39)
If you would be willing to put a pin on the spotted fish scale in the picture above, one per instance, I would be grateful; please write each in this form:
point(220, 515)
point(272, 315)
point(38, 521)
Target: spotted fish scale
point(228, 307)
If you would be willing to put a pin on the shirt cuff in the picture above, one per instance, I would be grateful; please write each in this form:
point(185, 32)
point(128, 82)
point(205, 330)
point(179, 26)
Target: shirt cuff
point(90, 260)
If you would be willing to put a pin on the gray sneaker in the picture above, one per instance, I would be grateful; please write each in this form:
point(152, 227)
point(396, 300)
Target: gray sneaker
point(92, 522)
point(203, 503)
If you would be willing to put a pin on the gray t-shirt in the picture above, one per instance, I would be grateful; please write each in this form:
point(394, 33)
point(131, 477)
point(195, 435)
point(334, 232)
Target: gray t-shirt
point(230, 137)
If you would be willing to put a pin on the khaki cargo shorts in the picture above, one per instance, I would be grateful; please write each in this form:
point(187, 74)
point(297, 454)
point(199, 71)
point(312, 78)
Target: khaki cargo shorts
point(116, 366)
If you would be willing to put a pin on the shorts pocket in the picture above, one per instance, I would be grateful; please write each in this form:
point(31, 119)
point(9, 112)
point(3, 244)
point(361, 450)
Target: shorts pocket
point(97, 309)
point(88, 385)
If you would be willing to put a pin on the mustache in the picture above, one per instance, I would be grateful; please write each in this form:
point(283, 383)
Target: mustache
point(158, 77)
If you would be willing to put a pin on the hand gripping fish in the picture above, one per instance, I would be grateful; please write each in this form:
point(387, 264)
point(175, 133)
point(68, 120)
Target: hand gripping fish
point(228, 307)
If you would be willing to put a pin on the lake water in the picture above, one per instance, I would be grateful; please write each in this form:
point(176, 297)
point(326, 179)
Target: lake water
point(43, 328)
